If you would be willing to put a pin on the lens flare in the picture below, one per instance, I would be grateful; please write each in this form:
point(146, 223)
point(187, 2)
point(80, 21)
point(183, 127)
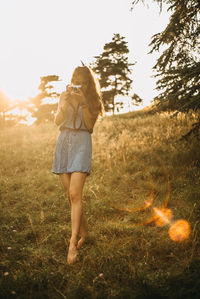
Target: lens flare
point(147, 203)
point(179, 230)
point(163, 216)
point(165, 203)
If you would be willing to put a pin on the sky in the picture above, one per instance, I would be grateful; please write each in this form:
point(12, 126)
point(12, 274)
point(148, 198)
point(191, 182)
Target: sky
point(50, 37)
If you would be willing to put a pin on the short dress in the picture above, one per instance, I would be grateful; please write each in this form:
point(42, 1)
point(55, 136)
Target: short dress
point(73, 152)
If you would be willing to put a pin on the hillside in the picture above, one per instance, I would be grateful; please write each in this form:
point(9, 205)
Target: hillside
point(140, 168)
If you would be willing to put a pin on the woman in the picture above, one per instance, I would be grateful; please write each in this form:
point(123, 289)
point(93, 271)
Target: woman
point(77, 112)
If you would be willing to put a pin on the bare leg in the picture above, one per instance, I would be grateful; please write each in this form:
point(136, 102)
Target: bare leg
point(65, 179)
point(75, 190)
point(83, 231)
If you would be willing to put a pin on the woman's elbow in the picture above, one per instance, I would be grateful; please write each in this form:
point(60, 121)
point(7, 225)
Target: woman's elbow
point(57, 121)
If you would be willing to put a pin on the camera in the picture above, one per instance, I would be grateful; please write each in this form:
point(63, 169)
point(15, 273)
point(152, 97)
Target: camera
point(73, 88)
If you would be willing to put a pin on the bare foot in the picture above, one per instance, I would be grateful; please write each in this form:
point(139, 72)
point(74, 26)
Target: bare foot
point(72, 254)
point(82, 241)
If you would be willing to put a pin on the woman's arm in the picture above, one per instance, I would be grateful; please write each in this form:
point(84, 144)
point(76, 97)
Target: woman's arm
point(63, 105)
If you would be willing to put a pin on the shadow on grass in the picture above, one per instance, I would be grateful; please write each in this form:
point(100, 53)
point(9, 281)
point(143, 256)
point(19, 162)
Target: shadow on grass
point(182, 286)
point(122, 278)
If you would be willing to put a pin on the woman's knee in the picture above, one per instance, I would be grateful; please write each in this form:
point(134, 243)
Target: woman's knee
point(74, 195)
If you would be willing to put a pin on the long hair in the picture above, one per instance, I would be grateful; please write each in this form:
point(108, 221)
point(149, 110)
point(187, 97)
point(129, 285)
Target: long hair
point(93, 92)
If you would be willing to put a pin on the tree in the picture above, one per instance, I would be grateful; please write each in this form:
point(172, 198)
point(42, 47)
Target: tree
point(179, 65)
point(44, 112)
point(113, 69)
point(136, 100)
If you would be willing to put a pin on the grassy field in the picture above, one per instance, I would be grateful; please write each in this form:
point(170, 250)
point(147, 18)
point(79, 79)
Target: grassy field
point(137, 159)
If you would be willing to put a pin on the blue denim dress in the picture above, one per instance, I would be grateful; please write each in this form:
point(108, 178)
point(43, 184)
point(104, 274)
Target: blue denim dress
point(73, 151)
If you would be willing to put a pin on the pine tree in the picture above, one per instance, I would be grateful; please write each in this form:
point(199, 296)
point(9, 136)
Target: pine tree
point(136, 100)
point(179, 65)
point(44, 112)
point(113, 69)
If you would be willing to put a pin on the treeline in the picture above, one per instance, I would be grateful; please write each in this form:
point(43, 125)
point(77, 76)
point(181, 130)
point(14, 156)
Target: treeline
point(34, 107)
point(112, 68)
point(178, 69)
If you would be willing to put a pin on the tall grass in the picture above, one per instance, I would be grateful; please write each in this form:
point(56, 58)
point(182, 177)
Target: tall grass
point(136, 157)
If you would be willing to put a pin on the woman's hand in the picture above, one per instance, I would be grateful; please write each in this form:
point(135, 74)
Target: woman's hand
point(77, 95)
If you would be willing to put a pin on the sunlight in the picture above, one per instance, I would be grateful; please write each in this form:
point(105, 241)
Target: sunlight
point(23, 61)
point(179, 230)
point(163, 216)
point(17, 111)
point(29, 120)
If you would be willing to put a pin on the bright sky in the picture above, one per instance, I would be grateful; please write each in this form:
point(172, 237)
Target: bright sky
point(47, 37)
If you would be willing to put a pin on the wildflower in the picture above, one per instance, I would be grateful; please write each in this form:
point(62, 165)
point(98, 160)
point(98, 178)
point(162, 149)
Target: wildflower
point(6, 273)
point(9, 248)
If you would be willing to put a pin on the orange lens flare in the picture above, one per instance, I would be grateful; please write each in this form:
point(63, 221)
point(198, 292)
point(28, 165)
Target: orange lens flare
point(147, 203)
point(179, 230)
point(163, 216)
point(165, 203)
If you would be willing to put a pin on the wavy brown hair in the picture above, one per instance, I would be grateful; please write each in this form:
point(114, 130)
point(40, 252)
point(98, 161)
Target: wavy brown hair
point(93, 92)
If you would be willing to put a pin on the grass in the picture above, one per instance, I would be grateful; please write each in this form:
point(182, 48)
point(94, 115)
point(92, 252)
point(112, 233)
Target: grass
point(135, 156)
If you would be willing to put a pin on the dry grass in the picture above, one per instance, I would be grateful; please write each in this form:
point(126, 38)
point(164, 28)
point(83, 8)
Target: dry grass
point(135, 156)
